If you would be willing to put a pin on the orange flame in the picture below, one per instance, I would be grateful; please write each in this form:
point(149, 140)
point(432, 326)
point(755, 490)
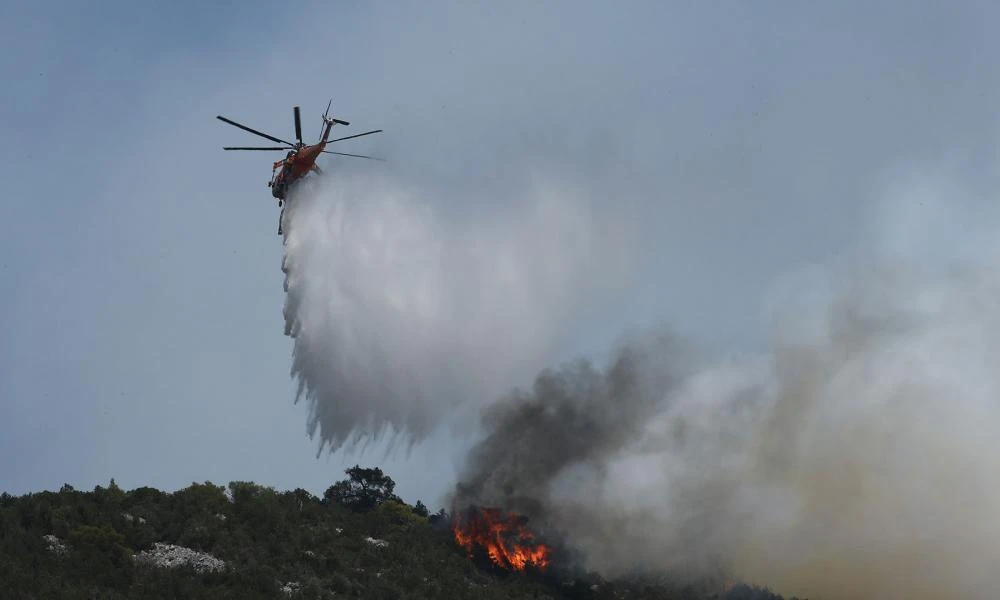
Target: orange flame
point(503, 536)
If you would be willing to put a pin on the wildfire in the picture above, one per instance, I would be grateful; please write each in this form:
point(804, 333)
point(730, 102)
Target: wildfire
point(503, 536)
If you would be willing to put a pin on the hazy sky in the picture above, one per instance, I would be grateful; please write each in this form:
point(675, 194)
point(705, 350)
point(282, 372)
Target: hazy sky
point(141, 327)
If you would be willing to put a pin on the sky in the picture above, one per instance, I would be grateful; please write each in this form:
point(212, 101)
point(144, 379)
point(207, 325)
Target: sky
point(141, 335)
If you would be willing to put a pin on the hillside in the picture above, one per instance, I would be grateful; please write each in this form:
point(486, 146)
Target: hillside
point(250, 541)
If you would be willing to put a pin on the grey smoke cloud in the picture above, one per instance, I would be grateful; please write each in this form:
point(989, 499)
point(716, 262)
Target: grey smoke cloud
point(854, 459)
point(404, 316)
point(572, 416)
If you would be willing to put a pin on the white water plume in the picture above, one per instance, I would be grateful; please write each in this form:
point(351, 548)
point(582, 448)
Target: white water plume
point(402, 315)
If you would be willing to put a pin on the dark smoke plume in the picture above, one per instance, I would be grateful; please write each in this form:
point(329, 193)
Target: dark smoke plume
point(551, 452)
point(574, 416)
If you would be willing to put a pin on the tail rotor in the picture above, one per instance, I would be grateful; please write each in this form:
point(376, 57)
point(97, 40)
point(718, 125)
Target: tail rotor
point(328, 122)
point(325, 113)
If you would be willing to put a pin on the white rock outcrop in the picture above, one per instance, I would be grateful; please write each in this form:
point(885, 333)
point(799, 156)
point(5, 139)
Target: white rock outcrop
point(376, 542)
point(55, 544)
point(170, 556)
point(291, 587)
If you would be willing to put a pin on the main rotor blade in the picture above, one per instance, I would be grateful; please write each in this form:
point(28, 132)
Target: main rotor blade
point(354, 155)
point(298, 126)
point(248, 148)
point(253, 131)
point(355, 136)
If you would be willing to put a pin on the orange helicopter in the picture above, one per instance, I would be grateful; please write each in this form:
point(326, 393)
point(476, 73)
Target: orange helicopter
point(301, 158)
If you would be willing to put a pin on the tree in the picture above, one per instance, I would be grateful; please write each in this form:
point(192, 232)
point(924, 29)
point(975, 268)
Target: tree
point(420, 509)
point(400, 513)
point(439, 517)
point(363, 490)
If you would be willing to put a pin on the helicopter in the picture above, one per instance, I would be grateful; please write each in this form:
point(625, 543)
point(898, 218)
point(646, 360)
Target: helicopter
point(301, 158)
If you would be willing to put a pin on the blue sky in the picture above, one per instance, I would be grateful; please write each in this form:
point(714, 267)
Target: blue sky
point(141, 324)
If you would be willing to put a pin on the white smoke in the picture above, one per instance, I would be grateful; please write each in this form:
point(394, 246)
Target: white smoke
point(855, 459)
point(403, 314)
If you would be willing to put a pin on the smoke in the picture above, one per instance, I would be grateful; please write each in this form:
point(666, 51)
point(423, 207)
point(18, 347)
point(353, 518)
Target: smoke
point(856, 458)
point(403, 315)
point(572, 417)
point(625, 463)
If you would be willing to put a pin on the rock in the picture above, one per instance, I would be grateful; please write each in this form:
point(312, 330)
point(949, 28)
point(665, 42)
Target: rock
point(170, 556)
point(55, 544)
point(375, 542)
point(291, 587)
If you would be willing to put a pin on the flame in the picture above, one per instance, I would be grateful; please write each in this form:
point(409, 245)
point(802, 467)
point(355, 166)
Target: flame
point(503, 536)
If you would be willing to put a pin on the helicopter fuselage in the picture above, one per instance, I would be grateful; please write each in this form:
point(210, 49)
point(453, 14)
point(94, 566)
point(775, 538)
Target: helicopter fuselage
point(296, 165)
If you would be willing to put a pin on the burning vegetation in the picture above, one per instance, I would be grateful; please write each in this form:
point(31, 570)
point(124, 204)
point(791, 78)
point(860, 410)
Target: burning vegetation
point(502, 536)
